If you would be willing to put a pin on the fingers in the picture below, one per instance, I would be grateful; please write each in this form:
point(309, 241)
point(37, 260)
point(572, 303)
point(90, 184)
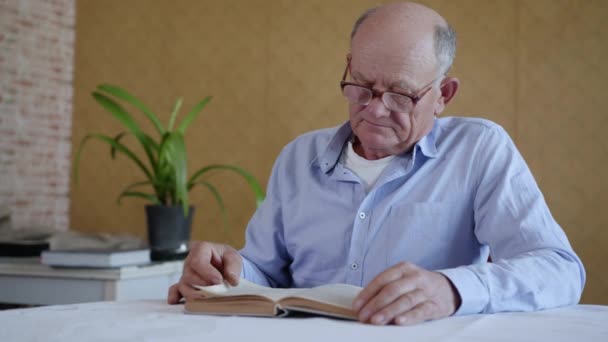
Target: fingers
point(206, 264)
point(371, 290)
point(403, 303)
point(191, 276)
point(187, 290)
point(174, 296)
point(202, 265)
point(389, 294)
point(420, 313)
point(406, 294)
point(233, 264)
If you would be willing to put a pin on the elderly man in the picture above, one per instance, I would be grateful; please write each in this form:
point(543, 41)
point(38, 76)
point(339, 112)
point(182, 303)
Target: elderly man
point(400, 202)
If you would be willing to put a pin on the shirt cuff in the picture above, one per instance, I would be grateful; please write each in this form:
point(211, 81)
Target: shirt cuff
point(473, 294)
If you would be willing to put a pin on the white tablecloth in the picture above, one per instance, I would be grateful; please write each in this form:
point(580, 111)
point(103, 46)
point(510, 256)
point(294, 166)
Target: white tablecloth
point(157, 321)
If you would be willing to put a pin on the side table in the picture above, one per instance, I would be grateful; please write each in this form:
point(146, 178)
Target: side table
point(26, 281)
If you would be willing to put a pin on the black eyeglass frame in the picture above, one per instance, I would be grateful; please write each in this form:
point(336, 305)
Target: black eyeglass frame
point(376, 93)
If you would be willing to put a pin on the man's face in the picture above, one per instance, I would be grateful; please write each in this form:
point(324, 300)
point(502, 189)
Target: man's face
point(380, 131)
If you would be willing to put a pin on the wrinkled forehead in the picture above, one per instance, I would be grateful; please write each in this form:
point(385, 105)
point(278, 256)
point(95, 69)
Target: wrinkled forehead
point(391, 59)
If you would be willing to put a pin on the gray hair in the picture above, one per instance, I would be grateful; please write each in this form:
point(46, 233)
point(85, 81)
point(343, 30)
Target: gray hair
point(444, 41)
point(445, 47)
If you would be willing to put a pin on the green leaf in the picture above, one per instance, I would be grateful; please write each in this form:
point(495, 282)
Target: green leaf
point(117, 139)
point(148, 197)
point(133, 186)
point(124, 95)
point(125, 118)
point(121, 135)
point(150, 142)
point(118, 112)
point(253, 183)
point(178, 105)
point(165, 173)
point(216, 195)
point(193, 114)
point(173, 150)
point(117, 145)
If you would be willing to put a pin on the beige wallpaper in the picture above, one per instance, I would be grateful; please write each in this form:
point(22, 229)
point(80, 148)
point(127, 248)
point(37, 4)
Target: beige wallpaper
point(535, 66)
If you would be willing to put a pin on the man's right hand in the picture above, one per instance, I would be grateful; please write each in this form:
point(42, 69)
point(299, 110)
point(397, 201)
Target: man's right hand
point(207, 264)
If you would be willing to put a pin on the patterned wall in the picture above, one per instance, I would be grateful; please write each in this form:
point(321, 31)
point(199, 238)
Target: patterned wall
point(36, 56)
point(534, 66)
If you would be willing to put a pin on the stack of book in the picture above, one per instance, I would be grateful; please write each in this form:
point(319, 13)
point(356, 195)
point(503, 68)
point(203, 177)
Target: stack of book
point(100, 258)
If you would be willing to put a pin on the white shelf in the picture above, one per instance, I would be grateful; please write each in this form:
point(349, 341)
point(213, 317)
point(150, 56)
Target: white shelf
point(27, 281)
point(33, 267)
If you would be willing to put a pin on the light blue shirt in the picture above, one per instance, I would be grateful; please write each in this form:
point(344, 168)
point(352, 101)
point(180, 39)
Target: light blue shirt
point(463, 193)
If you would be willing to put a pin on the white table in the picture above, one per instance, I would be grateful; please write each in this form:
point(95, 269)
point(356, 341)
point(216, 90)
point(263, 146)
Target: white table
point(26, 281)
point(157, 321)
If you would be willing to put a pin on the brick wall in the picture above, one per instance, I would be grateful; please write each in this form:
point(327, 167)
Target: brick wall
point(36, 72)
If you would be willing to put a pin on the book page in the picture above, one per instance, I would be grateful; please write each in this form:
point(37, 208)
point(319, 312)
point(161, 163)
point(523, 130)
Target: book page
point(244, 288)
point(341, 295)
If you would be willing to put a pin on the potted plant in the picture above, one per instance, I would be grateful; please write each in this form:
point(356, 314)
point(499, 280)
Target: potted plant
point(169, 217)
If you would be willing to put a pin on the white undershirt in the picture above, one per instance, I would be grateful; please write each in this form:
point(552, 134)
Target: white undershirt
point(368, 170)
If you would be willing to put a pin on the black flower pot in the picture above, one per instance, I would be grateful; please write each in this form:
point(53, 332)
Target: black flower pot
point(168, 232)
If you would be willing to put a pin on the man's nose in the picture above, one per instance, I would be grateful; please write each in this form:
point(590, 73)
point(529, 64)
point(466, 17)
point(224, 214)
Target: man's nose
point(377, 108)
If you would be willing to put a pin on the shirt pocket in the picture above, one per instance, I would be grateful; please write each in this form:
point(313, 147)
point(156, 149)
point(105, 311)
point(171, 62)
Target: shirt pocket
point(421, 233)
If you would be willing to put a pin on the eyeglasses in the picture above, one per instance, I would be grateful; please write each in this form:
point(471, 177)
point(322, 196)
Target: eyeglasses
point(397, 102)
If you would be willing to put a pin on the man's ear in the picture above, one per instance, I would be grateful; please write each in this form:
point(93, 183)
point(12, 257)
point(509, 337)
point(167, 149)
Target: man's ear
point(449, 87)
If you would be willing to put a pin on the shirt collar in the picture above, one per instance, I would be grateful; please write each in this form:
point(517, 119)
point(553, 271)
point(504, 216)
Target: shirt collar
point(330, 156)
point(427, 143)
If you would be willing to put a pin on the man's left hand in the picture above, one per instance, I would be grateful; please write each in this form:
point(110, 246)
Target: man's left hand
point(406, 294)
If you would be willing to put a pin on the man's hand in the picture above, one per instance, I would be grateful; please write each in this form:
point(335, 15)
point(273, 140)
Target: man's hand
point(207, 264)
point(406, 294)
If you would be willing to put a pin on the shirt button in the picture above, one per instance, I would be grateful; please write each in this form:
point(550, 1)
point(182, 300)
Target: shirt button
point(362, 215)
point(354, 266)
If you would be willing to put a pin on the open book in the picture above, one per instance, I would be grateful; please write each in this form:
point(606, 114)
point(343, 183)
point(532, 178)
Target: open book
point(249, 299)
